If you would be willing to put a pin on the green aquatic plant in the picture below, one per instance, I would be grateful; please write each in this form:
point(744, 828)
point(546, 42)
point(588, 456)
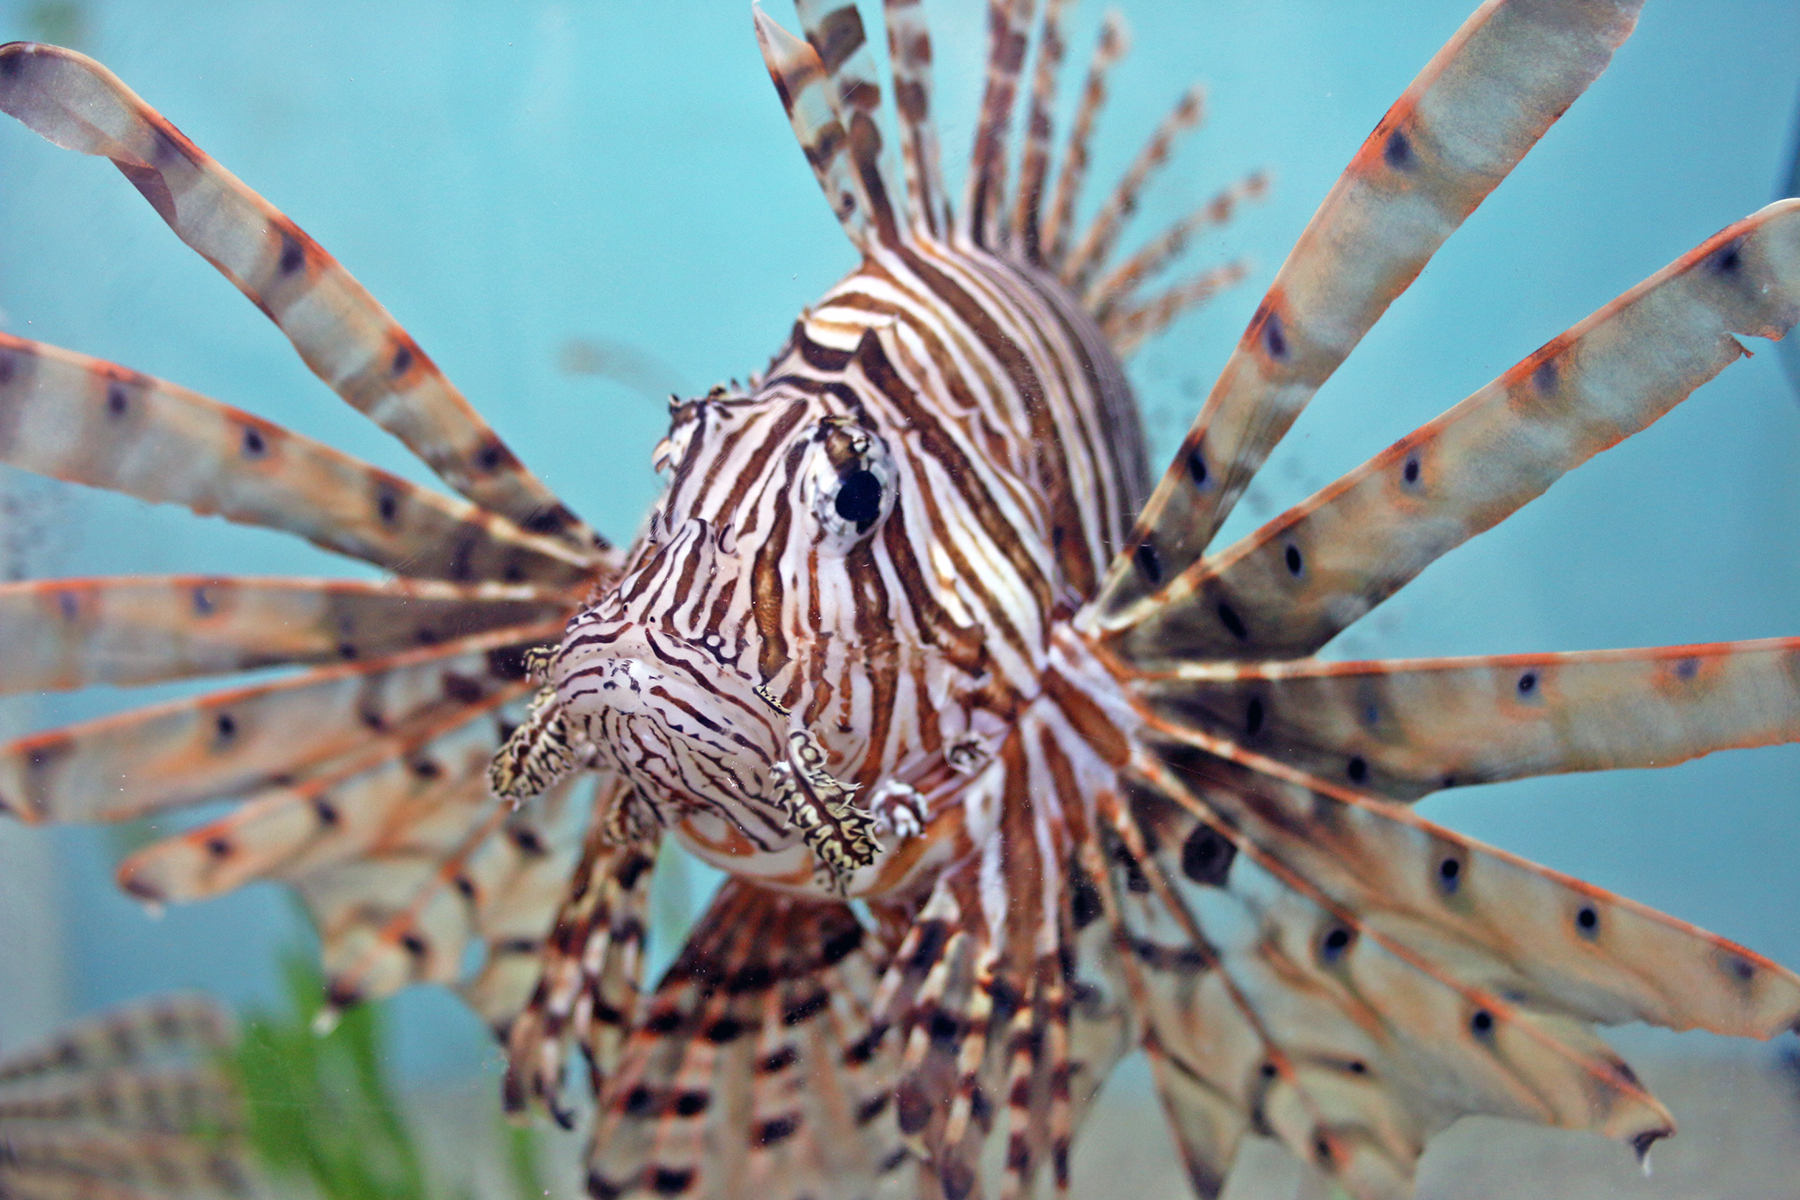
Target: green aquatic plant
point(322, 1108)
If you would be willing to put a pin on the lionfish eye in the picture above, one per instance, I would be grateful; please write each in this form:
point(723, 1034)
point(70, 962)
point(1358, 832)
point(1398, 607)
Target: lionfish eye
point(850, 482)
point(859, 499)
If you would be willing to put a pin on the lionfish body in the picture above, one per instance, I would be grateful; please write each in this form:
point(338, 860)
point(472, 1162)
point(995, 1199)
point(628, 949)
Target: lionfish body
point(864, 559)
point(910, 627)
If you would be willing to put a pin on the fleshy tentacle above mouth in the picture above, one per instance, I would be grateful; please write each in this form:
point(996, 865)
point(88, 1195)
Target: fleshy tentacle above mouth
point(840, 834)
point(542, 750)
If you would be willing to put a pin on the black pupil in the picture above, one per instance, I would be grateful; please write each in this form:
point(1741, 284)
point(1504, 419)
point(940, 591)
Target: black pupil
point(859, 499)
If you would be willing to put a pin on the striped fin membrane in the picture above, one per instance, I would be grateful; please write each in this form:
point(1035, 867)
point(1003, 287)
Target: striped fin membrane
point(828, 84)
point(909, 50)
point(807, 92)
point(757, 1069)
point(340, 331)
point(130, 1104)
point(836, 34)
point(1006, 1008)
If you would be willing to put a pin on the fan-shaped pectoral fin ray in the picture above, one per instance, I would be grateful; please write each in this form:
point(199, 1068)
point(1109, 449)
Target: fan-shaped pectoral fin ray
point(408, 908)
point(86, 421)
point(125, 1037)
point(1200, 1043)
point(806, 91)
point(1469, 117)
point(1549, 942)
point(1377, 1034)
point(340, 331)
point(134, 1104)
point(221, 744)
point(755, 1068)
point(513, 884)
point(1289, 587)
point(1237, 1039)
point(433, 769)
point(1405, 727)
point(58, 634)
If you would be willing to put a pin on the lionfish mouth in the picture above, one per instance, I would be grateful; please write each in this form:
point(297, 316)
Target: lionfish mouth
point(697, 735)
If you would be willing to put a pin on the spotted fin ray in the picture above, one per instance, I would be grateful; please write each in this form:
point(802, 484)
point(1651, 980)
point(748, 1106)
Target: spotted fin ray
point(77, 418)
point(411, 908)
point(429, 769)
point(221, 744)
point(1328, 1021)
point(1469, 117)
point(1403, 728)
point(340, 331)
point(60, 634)
point(1291, 586)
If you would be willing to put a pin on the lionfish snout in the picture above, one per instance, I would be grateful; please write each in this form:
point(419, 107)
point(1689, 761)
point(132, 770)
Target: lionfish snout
point(684, 724)
point(708, 748)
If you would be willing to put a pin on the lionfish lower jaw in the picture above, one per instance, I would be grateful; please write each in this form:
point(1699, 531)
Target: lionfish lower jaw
point(840, 833)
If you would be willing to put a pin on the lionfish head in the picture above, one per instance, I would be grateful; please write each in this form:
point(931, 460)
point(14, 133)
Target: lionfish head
point(734, 671)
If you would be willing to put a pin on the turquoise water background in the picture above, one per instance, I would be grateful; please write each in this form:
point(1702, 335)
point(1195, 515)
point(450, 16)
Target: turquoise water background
point(508, 178)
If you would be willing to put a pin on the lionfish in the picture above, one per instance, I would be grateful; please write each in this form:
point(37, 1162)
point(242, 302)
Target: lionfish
point(1011, 772)
point(129, 1105)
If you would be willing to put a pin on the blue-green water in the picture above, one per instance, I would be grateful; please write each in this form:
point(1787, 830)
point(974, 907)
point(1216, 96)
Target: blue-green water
point(508, 178)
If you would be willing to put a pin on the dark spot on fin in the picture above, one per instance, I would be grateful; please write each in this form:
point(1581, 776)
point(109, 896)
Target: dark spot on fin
point(1228, 617)
point(293, 255)
point(1196, 465)
point(1206, 856)
point(1149, 563)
